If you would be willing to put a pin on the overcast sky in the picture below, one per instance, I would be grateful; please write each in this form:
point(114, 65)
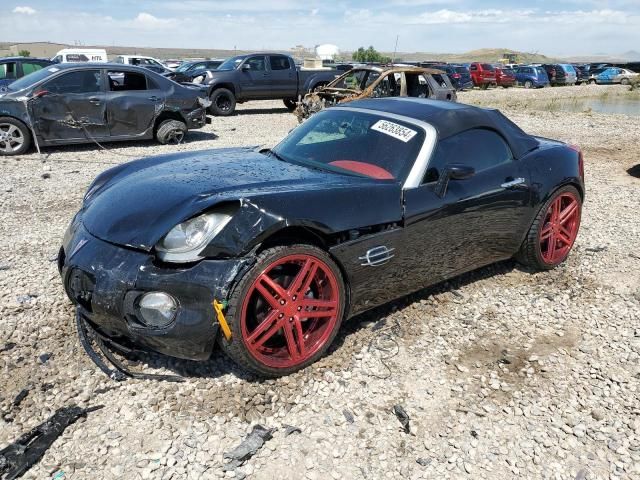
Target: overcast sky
point(554, 27)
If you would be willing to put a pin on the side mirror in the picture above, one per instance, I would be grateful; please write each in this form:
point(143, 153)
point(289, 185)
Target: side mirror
point(453, 171)
point(246, 67)
point(460, 172)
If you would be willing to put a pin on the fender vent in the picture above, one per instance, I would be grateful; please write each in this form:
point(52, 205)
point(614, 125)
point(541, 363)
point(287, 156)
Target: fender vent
point(376, 256)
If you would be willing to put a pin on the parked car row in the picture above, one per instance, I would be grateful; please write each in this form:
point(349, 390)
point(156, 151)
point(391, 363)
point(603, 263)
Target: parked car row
point(137, 97)
point(94, 102)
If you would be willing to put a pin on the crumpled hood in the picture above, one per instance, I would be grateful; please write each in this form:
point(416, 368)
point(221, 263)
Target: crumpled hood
point(137, 203)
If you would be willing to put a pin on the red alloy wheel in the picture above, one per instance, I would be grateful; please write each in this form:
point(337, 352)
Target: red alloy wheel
point(559, 228)
point(290, 311)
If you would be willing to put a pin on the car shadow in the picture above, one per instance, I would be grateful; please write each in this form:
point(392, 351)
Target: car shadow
point(261, 111)
point(219, 365)
point(191, 137)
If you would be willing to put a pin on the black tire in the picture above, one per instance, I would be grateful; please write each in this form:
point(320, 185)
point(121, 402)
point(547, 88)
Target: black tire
point(290, 103)
point(171, 132)
point(484, 86)
point(236, 348)
point(528, 84)
point(624, 81)
point(223, 102)
point(15, 137)
point(530, 253)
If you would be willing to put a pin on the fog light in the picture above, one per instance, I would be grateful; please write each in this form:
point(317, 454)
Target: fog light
point(157, 309)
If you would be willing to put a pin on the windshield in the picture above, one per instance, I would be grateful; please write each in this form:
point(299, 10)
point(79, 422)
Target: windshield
point(32, 78)
point(486, 66)
point(462, 70)
point(184, 67)
point(231, 63)
point(354, 143)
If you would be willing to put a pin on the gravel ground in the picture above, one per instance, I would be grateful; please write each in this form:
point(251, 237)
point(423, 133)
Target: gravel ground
point(504, 373)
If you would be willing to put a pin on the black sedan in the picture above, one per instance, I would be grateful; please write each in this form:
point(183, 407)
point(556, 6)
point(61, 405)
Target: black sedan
point(83, 103)
point(193, 71)
point(268, 252)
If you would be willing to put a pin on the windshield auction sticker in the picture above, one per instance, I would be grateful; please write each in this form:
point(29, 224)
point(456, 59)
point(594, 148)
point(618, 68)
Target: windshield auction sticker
point(394, 130)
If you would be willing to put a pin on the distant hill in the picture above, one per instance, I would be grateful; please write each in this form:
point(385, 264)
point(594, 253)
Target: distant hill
point(489, 55)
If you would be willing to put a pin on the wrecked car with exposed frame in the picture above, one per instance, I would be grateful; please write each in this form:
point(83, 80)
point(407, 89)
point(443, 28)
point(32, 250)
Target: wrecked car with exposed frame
point(267, 252)
point(82, 103)
point(378, 82)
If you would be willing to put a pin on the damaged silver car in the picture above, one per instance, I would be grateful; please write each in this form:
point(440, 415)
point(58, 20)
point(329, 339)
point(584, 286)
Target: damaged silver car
point(378, 82)
point(84, 103)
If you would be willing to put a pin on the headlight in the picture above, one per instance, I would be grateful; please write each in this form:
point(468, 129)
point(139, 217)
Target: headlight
point(185, 241)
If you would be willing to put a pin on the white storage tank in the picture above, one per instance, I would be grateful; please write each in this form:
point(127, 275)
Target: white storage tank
point(327, 51)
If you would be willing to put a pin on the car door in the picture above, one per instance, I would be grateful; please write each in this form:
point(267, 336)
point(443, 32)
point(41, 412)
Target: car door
point(283, 80)
point(133, 100)
point(70, 106)
point(254, 78)
point(475, 221)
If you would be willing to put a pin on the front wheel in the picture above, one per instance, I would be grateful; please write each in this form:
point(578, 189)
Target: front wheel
point(286, 311)
point(553, 231)
point(171, 132)
point(290, 103)
point(624, 81)
point(223, 102)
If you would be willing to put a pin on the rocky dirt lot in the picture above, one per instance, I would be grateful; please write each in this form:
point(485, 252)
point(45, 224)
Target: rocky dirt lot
point(505, 373)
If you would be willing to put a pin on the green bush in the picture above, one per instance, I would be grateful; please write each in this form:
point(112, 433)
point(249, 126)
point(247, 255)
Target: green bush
point(24, 53)
point(369, 55)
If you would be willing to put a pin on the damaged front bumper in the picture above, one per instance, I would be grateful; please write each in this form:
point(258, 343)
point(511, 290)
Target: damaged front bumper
point(197, 118)
point(106, 282)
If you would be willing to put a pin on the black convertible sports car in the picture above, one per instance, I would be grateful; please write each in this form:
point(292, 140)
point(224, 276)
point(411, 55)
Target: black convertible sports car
point(268, 252)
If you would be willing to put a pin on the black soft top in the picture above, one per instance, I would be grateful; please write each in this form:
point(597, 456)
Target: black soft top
point(451, 118)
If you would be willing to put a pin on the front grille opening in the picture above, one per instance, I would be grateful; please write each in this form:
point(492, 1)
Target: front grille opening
point(62, 256)
point(80, 287)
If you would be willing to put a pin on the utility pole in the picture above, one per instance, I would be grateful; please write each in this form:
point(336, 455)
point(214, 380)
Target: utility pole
point(395, 50)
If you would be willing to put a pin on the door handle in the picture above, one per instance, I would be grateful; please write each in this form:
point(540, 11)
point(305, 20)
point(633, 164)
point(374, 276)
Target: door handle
point(153, 98)
point(95, 100)
point(516, 182)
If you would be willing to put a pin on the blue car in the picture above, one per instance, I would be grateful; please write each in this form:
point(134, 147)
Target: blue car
point(531, 77)
point(13, 68)
point(458, 74)
point(613, 75)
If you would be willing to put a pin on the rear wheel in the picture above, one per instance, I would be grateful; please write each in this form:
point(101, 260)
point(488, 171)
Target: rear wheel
point(528, 84)
point(290, 103)
point(15, 136)
point(223, 102)
point(553, 231)
point(285, 312)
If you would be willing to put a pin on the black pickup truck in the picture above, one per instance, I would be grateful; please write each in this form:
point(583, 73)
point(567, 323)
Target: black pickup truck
point(262, 76)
